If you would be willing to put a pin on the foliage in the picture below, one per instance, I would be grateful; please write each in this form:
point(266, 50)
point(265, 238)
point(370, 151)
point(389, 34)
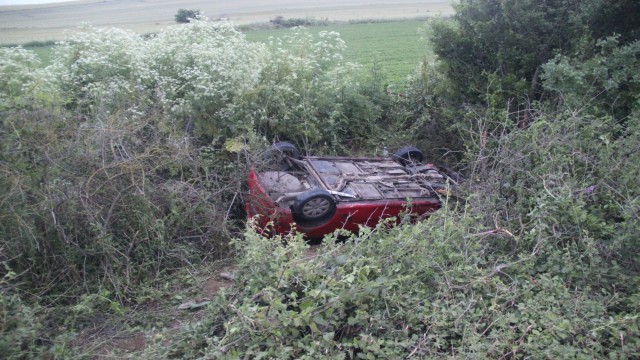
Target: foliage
point(614, 17)
point(98, 69)
point(438, 288)
point(19, 327)
point(422, 115)
point(496, 46)
point(23, 83)
point(107, 182)
point(281, 22)
point(124, 160)
point(120, 161)
point(118, 202)
point(184, 16)
point(308, 94)
point(541, 263)
point(395, 47)
point(195, 71)
point(608, 79)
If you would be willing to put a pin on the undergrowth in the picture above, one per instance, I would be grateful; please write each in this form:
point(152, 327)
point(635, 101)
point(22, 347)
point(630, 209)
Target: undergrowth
point(445, 287)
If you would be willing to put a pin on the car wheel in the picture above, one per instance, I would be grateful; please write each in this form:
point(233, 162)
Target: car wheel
point(276, 154)
point(287, 149)
point(408, 155)
point(453, 175)
point(313, 206)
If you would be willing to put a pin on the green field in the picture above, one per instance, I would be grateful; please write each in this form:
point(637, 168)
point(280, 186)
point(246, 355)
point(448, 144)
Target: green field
point(395, 46)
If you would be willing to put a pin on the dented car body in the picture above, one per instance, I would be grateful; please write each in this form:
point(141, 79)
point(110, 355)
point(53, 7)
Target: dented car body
point(317, 195)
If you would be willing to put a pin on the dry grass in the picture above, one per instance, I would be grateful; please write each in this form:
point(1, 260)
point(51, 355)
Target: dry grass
point(20, 24)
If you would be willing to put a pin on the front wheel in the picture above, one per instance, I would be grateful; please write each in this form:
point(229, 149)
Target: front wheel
point(313, 207)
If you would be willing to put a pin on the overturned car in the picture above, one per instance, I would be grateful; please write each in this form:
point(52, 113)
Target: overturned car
point(317, 195)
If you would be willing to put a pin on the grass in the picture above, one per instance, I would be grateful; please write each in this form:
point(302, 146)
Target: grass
point(396, 47)
point(44, 50)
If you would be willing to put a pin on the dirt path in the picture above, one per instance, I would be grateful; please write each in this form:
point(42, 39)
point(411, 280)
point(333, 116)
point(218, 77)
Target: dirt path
point(159, 320)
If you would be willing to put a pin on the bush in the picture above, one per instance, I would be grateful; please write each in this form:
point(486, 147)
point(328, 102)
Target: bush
point(439, 288)
point(541, 262)
point(281, 22)
point(108, 180)
point(308, 94)
point(23, 82)
point(117, 202)
point(99, 69)
point(184, 16)
point(19, 328)
point(196, 71)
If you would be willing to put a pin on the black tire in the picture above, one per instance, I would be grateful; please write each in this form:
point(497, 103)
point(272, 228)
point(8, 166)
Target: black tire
point(286, 148)
point(453, 175)
point(408, 155)
point(313, 207)
point(275, 158)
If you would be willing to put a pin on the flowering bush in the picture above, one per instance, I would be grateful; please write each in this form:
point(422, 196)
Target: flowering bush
point(308, 94)
point(199, 68)
point(99, 67)
point(23, 82)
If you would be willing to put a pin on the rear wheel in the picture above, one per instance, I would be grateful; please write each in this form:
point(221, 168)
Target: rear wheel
point(313, 207)
point(286, 148)
point(453, 175)
point(408, 155)
point(276, 155)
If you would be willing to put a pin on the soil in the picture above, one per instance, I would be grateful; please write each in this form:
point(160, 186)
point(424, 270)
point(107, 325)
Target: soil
point(122, 336)
point(157, 320)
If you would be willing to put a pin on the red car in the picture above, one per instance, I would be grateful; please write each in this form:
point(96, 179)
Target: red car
point(317, 195)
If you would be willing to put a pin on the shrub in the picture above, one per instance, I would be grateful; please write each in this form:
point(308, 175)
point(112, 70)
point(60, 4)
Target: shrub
point(435, 289)
point(19, 328)
point(308, 94)
point(23, 82)
point(99, 69)
point(110, 183)
point(281, 22)
point(118, 202)
point(197, 70)
point(184, 16)
point(608, 77)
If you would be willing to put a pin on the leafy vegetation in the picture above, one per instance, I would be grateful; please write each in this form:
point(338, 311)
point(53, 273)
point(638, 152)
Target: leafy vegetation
point(391, 48)
point(187, 15)
point(124, 161)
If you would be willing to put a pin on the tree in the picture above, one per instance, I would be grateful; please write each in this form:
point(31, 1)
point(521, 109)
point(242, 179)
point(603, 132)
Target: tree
point(503, 43)
point(616, 17)
point(184, 16)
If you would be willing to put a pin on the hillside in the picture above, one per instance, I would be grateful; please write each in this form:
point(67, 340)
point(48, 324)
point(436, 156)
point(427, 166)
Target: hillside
point(20, 24)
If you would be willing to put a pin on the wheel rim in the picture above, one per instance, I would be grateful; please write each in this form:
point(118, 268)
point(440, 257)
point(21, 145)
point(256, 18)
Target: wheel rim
point(316, 207)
